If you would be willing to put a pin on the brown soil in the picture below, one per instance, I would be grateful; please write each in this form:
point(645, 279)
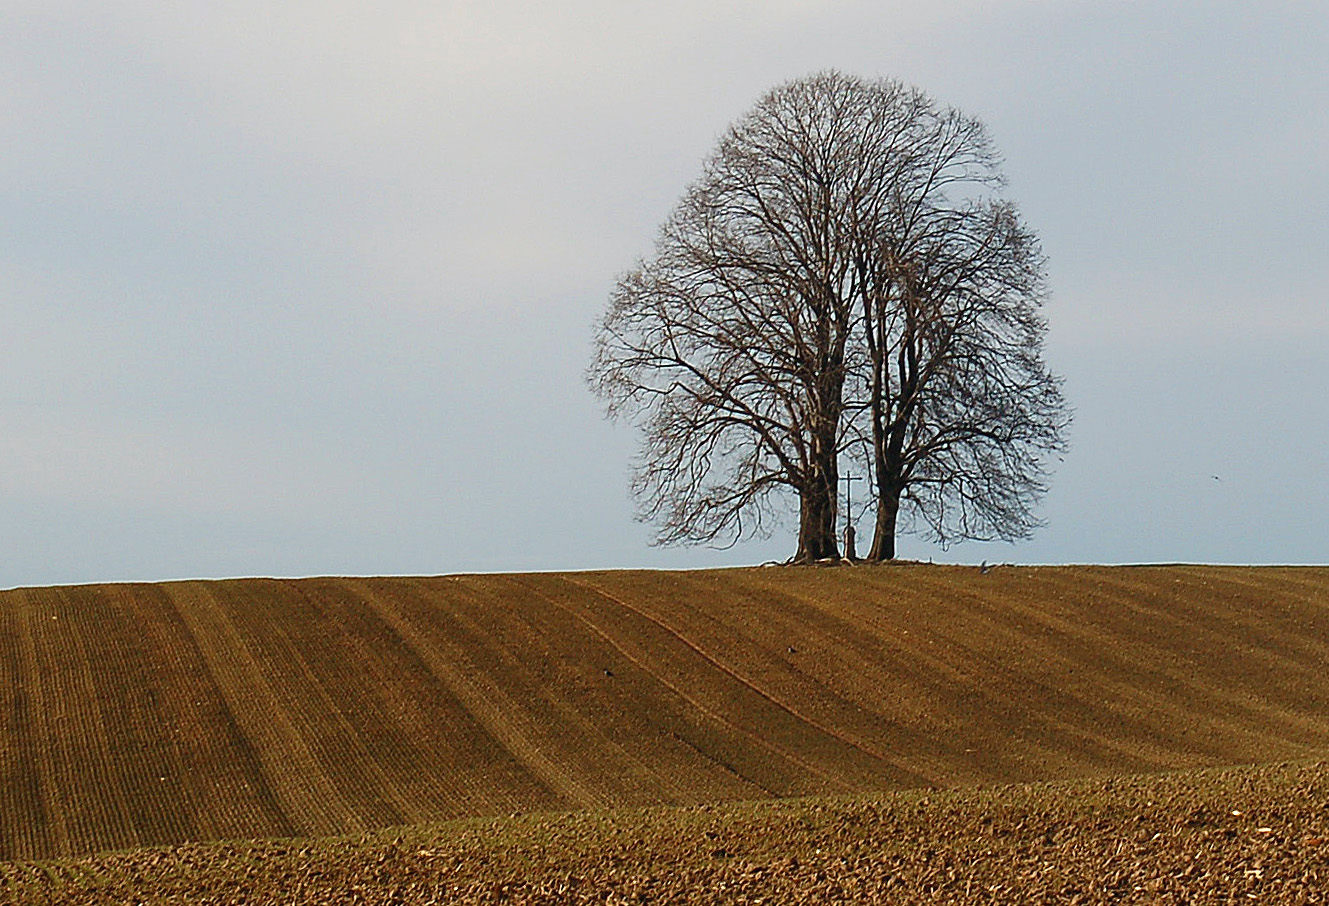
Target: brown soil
point(1252, 835)
point(146, 715)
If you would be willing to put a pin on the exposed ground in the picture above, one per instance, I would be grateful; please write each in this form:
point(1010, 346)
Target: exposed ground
point(1252, 835)
point(143, 715)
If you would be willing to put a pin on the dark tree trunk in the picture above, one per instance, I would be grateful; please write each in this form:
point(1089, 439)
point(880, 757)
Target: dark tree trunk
point(883, 535)
point(816, 516)
point(816, 527)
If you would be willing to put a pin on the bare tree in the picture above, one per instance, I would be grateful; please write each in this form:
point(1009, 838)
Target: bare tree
point(728, 345)
point(964, 414)
point(817, 294)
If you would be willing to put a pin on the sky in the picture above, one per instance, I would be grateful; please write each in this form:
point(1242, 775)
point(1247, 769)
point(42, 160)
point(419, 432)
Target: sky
point(308, 288)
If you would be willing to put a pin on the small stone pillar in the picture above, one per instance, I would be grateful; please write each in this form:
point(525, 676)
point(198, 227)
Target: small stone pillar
point(849, 552)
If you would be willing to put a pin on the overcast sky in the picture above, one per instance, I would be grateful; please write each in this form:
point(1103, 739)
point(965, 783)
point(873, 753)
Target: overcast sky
point(307, 287)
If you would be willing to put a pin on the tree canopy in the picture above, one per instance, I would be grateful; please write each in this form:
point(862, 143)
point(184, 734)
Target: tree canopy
point(843, 284)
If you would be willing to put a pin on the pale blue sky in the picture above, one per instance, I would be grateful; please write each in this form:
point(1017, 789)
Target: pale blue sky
point(307, 288)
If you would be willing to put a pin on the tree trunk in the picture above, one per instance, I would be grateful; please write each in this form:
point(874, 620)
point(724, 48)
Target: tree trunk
point(883, 536)
point(816, 523)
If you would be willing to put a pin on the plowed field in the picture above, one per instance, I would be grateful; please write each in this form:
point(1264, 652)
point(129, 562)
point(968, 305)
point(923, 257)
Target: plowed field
point(1196, 838)
point(143, 715)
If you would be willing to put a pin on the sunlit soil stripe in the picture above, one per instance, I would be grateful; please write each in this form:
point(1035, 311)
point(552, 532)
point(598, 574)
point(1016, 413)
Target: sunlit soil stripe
point(1006, 659)
point(902, 689)
point(24, 823)
point(393, 715)
point(904, 656)
point(472, 771)
point(1224, 662)
point(290, 770)
point(651, 722)
point(506, 719)
point(173, 722)
point(1138, 683)
point(599, 694)
point(689, 707)
point(461, 768)
point(892, 693)
point(222, 769)
point(501, 620)
point(748, 731)
point(1031, 662)
point(821, 724)
point(509, 624)
point(317, 685)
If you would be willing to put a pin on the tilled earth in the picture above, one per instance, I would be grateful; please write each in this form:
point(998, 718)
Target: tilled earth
point(164, 714)
point(1242, 835)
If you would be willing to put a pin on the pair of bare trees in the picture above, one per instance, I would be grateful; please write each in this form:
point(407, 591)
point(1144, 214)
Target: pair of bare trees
point(844, 283)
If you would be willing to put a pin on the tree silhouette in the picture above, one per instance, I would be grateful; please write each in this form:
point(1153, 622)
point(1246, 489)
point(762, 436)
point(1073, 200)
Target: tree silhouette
point(842, 281)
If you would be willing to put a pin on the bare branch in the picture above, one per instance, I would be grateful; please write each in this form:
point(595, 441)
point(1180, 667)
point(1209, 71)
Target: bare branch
point(842, 279)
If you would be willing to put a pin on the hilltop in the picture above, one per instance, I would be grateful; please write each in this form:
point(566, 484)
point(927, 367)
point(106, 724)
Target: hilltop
point(151, 714)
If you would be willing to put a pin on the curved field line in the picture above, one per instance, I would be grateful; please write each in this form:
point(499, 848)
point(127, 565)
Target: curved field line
point(631, 778)
point(291, 771)
point(514, 633)
point(950, 616)
point(682, 695)
point(1137, 676)
point(222, 771)
point(854, 667)
point(46, 827)
point(504, 718)
point(958, 680)
point(1237, 706)
point(626, 740)
point(315, 704)
point(762, 693)
point(404, 712)
point(998, 677)
point(463, 767)
point(850, 646)
point(1146, 653)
